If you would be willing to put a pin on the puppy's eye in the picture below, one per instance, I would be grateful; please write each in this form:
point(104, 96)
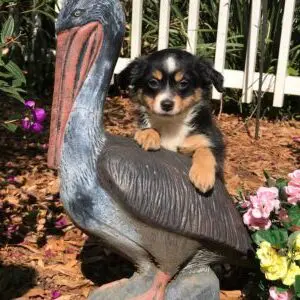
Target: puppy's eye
point(153, 83)
point(77, 12)
point(183, 84)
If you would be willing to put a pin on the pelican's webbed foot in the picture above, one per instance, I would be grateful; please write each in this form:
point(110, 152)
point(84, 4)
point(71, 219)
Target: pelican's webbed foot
point(149, 284)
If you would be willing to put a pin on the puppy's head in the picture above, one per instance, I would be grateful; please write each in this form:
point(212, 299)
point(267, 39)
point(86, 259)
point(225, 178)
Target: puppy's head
point(170, 81)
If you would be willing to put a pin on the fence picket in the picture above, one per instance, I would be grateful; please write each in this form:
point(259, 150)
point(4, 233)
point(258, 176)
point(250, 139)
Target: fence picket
point(136, 28)
point(287, 23)
point(251, 51)
point(164, 24)
point(193, 22)
point(221, 40)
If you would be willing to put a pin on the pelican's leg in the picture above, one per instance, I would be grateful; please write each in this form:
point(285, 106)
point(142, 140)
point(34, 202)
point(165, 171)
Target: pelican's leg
point(148, 284)
point(194, 284)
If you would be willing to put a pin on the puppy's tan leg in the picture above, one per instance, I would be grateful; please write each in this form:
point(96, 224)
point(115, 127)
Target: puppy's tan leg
point(194, 142)
point(148, 139)
point(202, 172)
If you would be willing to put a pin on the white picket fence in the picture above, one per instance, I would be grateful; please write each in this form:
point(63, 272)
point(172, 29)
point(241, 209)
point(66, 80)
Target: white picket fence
point(247, 79)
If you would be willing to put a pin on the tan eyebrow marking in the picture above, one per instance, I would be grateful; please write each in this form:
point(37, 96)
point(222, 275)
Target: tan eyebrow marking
point(178, 76)
point(157, 74)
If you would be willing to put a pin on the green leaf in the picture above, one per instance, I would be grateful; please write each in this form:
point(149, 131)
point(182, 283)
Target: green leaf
point(292, 71)
point(266, 174)
point(11, 127)
point(12, 92)
point(277, 238)
point(281, 182)
point(16, 83)
point(5, 75)
point(3, 83)
point(294, 215)
point(297, 286)
point(7, 29)
point(281, 289)
point(15, 71)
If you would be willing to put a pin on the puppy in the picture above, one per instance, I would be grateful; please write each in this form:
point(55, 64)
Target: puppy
point(172, 87)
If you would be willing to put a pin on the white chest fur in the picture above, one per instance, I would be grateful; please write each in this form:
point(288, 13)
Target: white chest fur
point(172, 130)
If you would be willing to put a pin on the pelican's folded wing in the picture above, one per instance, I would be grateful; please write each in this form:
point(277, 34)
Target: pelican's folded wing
point(154, 186)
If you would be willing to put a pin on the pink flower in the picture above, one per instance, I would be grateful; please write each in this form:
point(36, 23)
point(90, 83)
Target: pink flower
point(61, 223)
point(245, 204)
point(55, 294)
point(11, 229)
point(260, 208)
point(275, 295)
point(293, 188)
point(295, 176)
point(255, 223)
point(265, 201)
point(296, 139)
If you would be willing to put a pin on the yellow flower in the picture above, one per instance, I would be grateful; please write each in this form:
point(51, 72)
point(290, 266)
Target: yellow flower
point(289, 278)
point(277, 270)
point(266, 254)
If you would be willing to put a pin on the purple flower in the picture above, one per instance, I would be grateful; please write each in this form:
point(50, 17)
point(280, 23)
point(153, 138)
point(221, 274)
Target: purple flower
point(36, 127)
point(26, 124)
point(30, 104)
point(61, 223)
point(55, 294)
point(39, 115)
point(33, 121)
point(11, 179)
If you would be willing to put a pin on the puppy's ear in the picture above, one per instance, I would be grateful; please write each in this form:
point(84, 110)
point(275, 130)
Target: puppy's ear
point(209, 75)
point(132, 74)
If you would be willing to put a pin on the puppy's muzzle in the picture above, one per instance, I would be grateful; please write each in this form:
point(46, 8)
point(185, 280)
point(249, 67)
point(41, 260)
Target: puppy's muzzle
point(167, 105)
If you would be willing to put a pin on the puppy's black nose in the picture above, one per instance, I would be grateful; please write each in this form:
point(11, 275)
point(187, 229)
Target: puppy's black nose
point(167, 105)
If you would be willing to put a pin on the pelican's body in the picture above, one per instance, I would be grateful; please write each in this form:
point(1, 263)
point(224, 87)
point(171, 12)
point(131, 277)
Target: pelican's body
point(140, 203)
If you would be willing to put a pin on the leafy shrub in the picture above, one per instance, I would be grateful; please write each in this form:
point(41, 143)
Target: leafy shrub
point(12, 78)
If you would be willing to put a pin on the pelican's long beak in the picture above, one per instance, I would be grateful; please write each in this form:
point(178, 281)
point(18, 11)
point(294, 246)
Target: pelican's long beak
point(77, 49)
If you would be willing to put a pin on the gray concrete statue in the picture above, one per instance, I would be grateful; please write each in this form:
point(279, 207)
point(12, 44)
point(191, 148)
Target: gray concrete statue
point(141, 204)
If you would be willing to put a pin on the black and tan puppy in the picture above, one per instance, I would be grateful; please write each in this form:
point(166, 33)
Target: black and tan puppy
point(172, 87)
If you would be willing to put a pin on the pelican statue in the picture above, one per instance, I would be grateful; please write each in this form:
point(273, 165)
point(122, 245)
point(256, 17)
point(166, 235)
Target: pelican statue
point(141, 204)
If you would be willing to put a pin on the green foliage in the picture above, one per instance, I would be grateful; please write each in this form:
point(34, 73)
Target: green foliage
point(27, 44)
point(276, 237)
point(294, 216)
point(7, 29)
point(11, 77)
point(297, 286)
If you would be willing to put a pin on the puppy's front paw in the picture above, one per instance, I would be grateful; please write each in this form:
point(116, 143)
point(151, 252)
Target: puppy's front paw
point(148, 139)
point(202, 177)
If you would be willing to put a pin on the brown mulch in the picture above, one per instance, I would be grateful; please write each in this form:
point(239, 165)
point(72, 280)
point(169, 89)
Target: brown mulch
point(43, 256)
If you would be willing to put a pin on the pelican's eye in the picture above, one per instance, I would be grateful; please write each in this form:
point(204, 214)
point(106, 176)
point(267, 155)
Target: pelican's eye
point(78, 12)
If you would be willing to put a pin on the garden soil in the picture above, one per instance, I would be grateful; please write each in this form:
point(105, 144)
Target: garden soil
point(44, 256)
